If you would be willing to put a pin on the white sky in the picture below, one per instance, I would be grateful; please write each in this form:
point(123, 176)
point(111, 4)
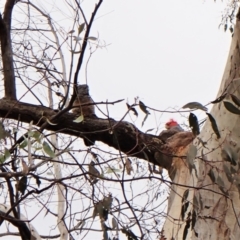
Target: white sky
point(166, 52)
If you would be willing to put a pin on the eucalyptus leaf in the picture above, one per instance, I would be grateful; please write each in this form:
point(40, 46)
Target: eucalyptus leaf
point(22, 185)
point(231, 108)
point(212, 175)
point(48, 150)
point(143, 107)
point(81, 28)
point(194, 218)
point(185, 231)
point(219, 181)
point(145, 118)
point(114, 223)
point(184, 209)
point(214, 125)
point(112, 170)
point(36, 135)
point(195, 105)
point(92, 38)
point(185, 195)
point(235, 99)
point(5, 156)
point(132, 109)
point(24, 143)
point(228, 173)
point(3, 132)
point(229, 154)
point(193, 123)
point(195, 203)
point(191, 154)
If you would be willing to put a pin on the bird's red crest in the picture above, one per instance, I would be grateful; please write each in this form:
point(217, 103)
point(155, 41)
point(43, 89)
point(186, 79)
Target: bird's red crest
point(171, 123)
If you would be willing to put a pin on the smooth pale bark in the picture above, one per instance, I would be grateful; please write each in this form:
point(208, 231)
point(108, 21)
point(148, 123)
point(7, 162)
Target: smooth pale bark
point(217, 210)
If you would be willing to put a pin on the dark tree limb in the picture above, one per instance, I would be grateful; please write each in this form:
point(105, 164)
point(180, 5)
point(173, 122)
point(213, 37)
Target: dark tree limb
point(81, 57)
point(6, 51)
point(22, 226)
point(122, 135)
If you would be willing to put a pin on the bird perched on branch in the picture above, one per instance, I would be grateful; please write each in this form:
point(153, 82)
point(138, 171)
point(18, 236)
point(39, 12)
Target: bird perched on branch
point(84, 108)
point(172, 128)
point(94, 173)
point(83, 103)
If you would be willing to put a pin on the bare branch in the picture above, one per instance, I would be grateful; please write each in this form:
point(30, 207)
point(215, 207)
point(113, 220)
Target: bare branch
point(6, 50)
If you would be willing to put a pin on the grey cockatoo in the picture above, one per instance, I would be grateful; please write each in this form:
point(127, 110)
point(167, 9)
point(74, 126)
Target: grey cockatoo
point(94, 173)
point(172, 128)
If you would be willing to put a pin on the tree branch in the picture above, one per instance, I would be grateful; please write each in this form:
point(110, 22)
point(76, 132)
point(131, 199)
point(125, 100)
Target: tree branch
point(122, 136)
point(6, 51)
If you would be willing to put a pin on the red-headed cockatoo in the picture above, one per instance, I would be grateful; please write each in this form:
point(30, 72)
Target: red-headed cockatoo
point(172, 128)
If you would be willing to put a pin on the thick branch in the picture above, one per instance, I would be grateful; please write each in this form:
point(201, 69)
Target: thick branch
point(6, 51)
point(24, 231)
point(123, 136)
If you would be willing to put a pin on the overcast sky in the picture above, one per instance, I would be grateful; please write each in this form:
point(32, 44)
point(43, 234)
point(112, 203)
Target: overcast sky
point(167, 53)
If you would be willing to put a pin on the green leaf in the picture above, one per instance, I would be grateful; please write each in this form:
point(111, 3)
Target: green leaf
point(214, 125)
point(235, 99)
point(79, 119)
point(195, 105)
point(3, 132)
point(5, 156)
point(112, 170)
point(47, 149)
point(36, 135)
point(229, 154)
point(231, 108)
point(92, 38)
point(24, 143)
point(191, 154)
point(193, 123)
point(81, 28)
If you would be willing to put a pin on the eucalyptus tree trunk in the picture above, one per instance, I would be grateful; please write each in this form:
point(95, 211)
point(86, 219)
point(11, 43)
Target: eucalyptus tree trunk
point(204, 203)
